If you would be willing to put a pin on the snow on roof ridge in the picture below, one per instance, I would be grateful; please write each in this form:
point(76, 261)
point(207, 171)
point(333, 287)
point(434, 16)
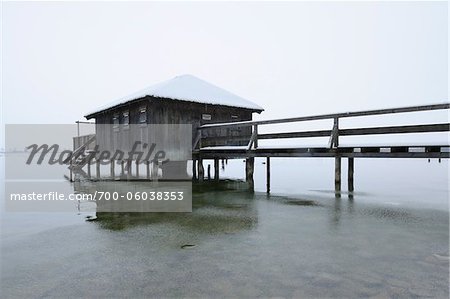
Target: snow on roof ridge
point(189, 88)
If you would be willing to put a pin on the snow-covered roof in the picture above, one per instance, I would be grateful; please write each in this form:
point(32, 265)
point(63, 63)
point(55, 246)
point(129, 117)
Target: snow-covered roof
point(186, 88)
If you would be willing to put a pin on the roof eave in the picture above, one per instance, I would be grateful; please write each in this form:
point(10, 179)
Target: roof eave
point(92, 115)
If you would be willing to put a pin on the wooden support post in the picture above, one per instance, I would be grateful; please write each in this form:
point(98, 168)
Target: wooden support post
point(137, 169)
point(209, 171)
point(336, 123)
point(158, 168)
point(89, 168)
point(71, 172)
point(112, 169)
point(128, 169)
point(197, 140)
point(147, 168)
point(337, 176)
point(155, 169)
point(97, 168)
point(268, 174)
point(334, 138)
point(194, 169)
point(201, 170)
point(122, 170)
point(255, 141)
point(351, 166)
point(249, 169)
point(216, 169)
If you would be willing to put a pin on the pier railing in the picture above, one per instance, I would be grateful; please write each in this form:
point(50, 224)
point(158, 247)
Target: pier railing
point(207, 135)
point(332, 133)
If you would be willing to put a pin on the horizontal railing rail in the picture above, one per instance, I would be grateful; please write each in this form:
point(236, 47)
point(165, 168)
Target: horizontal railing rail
point(333, 134)
point(330, 116)
point(362, 131)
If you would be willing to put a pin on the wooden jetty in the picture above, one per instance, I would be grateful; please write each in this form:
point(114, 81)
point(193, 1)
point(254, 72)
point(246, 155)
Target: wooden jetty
point(223, 141)
point(332, 150)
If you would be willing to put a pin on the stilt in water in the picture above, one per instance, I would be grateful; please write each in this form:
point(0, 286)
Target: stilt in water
point(89, 168)
point(112, 169)
point(209, 171)
point(147, 168)
point(337, 176)
point(216, 169)
point(128, 169)
point(194, 169)
point(201, 170)
point(268, 174)
point(71, 172)
point(155, 171)
point(351, 166)
point(137, 169)
point(122, 168)
point(97, 168)
point(249, 169)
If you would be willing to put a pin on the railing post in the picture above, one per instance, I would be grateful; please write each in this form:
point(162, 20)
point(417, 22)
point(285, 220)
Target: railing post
point(334, 138)
point(336, 125)
point(255, 141)
point(254, 138)
point(197, 140)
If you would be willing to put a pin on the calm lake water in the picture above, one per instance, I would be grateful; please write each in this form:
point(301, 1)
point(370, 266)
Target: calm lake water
point(391, 240)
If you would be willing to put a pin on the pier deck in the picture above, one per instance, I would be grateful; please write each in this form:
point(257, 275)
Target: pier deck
point(332, 150)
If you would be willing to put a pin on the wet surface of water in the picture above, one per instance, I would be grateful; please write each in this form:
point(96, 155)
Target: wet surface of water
point(234, 244)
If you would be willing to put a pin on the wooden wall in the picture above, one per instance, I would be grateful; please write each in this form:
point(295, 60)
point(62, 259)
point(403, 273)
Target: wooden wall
point(174, 113)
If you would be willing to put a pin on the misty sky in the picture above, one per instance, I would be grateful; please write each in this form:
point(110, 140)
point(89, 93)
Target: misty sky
point(60, 60)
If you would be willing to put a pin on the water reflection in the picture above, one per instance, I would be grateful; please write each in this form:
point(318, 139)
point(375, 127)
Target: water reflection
point(218, 207)
point(227, 206)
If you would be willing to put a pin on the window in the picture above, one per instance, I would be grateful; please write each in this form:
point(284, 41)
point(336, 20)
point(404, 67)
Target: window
point(143, 115)
point(126, 118)
point(115, 120)
point(234, 117)
point(206, 116)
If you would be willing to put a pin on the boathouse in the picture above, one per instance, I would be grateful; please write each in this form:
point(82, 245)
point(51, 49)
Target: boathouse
point(182, 104)
point(184, 99)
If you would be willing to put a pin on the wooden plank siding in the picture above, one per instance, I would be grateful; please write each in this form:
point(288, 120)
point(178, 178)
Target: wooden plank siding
point(174, 113)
